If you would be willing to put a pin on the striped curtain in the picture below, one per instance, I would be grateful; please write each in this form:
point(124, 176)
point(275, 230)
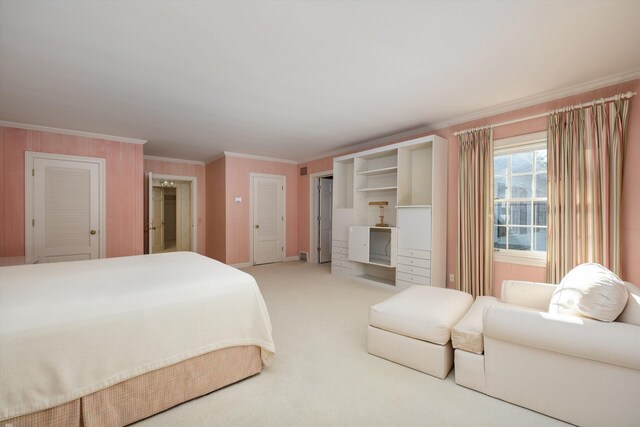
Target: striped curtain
point(474, 264)
point(585, 150)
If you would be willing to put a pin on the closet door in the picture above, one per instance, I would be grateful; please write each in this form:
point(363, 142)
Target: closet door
point(65, 210)
point(268, 201)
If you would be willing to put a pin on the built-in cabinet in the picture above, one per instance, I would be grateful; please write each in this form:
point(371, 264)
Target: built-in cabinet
point(411, 177)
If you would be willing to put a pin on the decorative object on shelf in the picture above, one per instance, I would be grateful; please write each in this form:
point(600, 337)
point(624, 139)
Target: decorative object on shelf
point(382, 204)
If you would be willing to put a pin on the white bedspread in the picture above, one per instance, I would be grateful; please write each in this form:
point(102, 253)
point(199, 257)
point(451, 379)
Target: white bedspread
point(69, 329)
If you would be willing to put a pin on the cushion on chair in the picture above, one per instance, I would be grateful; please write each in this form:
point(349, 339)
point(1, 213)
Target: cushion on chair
point(631, 312)
point(467, 333)
point(590, 290)
point(422, 312)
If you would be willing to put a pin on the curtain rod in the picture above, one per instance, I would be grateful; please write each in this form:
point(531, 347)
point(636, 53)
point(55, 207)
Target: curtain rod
point(582, 105)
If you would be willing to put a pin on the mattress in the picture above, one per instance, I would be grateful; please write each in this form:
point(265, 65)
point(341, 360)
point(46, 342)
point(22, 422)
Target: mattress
point(70, 329)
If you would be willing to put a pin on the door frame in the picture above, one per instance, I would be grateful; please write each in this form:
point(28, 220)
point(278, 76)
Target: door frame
point(29, 158)
point(284, 210)
point(314, 180)
point(194, 204)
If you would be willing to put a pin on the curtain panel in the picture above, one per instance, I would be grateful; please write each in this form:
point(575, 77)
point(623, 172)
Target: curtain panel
point(474, 263)
point(585, 149)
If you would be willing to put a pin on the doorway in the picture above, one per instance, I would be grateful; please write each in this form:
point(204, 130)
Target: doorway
point(320, 218)
point(268, 218)
point(172, 214)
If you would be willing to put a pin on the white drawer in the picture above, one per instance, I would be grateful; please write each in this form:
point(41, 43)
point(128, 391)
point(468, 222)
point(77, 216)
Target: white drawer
point(412, 278)
point(414, 253)
point(426, 272)
point(418, 262)
point(401, 284)
point(340, 271)
point(340, 263)
point(338, 256)
point(339, 250)
point(340, 243)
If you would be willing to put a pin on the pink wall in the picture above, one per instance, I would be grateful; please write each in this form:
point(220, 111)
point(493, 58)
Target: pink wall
point(629, 225)
point(237, 170)
point(216, 210)
point(184, 169)
point(124, 198)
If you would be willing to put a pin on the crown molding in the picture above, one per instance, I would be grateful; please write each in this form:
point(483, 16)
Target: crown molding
point(254, 157)
point(72, 132)
point(486, 112)
point(537, 99)
point(169, 159)
point(214, 158)
point(396, 137)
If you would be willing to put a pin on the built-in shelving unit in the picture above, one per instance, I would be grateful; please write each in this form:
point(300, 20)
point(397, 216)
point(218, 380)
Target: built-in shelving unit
point(412, 178)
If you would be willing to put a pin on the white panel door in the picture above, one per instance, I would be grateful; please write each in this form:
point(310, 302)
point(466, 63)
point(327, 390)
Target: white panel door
point(268, 219)
point(414, 228)
point(326, 208)
point(149, 196)
point(183, 209)
point(157, 220)
point(66, 209)
point(359, 243)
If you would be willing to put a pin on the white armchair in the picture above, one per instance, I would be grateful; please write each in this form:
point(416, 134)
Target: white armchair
point(573, 368)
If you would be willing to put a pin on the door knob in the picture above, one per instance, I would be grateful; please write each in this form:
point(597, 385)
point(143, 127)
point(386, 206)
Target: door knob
point(93, 232)
point(257, 226)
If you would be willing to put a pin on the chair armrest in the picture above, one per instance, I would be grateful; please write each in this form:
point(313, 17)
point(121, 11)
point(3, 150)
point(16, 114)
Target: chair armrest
point(609, 342)
point(527, 294)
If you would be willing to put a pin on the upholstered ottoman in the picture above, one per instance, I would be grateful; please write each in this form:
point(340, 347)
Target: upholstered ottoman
point(413, 328)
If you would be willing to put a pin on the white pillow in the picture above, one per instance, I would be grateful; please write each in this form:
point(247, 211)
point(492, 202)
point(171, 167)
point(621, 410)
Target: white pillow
point(631, 312)
point(590, 290)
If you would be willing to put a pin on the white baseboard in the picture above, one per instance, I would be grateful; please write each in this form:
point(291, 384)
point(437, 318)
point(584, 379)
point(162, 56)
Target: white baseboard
point(241, 265)
point(248, 264)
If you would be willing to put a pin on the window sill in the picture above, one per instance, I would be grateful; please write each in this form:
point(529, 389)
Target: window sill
point(531, 260)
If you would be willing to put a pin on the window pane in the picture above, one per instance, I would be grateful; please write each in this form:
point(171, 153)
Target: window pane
point(541, 185)
point(500, 237)
point(540, 239)
point(520, 213)
point(521, 186)
point(500, 213)
point(520, 238)
point(500, 187)
point(540, 213)
point(541, 160)
point(522, 162)
point(500, 165)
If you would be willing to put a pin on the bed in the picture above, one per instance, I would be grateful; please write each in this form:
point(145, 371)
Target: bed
point(109, 342)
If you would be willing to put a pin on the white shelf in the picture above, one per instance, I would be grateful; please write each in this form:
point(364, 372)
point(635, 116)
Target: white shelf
point(377, 279)
point(413, 206)
point(395, 187)
point(381, 171)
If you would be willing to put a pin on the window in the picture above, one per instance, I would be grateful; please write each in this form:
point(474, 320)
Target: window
point(520, 199)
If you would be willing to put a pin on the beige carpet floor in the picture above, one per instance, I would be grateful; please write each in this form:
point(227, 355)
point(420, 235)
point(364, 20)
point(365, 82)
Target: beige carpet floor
point(323, 375)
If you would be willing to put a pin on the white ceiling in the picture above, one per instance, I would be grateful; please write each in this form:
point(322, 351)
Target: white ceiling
point(294, 79)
